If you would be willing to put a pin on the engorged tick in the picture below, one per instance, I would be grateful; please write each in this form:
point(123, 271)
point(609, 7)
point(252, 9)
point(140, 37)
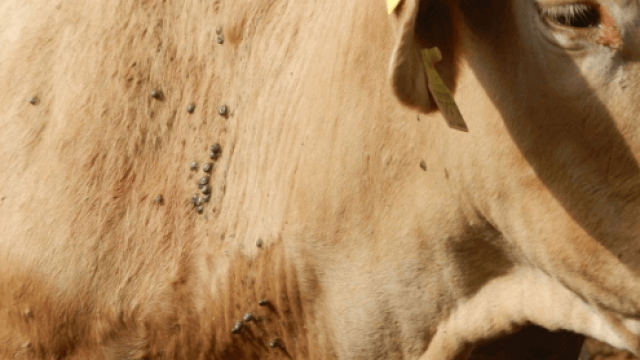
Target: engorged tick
point(237, 327)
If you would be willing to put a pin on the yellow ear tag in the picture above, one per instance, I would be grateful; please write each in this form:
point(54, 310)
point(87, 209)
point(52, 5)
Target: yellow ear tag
point(392, 5)
point(440, 92)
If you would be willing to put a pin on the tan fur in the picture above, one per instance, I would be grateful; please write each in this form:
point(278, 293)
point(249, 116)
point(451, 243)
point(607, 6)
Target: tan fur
point(519, 232)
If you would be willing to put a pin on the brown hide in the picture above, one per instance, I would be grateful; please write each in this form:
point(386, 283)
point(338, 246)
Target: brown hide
point(339, 194)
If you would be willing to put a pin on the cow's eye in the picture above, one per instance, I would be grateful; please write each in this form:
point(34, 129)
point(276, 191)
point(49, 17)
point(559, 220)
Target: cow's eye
point(579, 15)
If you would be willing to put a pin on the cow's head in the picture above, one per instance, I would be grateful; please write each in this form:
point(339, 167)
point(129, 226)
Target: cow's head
point(550, 92)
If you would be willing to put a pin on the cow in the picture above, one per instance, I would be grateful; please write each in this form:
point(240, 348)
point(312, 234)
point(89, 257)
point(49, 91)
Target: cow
point(338, 179)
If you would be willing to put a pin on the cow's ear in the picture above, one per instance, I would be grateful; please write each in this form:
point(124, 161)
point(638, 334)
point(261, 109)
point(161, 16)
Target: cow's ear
point(418, 25)
point(406, 70)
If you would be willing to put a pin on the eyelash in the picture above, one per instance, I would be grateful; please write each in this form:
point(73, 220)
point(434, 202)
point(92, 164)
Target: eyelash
point(579, 15)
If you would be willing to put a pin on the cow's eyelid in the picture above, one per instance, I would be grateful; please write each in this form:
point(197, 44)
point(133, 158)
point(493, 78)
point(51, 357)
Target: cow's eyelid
point(576, 15)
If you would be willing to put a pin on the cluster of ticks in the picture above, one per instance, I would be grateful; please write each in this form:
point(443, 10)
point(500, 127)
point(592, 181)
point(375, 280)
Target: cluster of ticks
point(249, 317)
point(199, 199)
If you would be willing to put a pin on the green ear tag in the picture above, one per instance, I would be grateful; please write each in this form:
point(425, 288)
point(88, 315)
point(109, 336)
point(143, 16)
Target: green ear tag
point(440, 92)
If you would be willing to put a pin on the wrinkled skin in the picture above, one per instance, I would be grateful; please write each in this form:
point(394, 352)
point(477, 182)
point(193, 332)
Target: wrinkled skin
point(385, 234)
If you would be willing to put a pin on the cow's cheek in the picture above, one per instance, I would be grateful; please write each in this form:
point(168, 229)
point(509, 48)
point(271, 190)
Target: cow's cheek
point(540, 175)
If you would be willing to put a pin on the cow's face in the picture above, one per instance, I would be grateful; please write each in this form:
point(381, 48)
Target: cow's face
point(550, 93)
point(574, 88)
